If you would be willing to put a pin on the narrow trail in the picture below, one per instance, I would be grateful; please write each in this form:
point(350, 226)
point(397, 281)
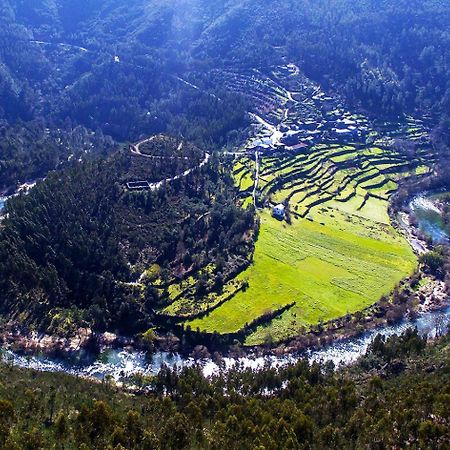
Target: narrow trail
point(159, 184)
point(136, 150)
point(193, 86)
point(61, 44)
point(255, 187)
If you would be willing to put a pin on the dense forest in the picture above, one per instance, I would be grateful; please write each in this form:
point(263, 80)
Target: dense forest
point(391, 56)
point(397, 396)
point(29, 150)
point(72, 250)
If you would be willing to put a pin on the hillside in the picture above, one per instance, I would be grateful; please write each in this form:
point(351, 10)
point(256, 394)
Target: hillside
point(57, 60)
point(396, 396)
point(148, 68)
point(78, 249)
point(334, 250)
point(29, 150)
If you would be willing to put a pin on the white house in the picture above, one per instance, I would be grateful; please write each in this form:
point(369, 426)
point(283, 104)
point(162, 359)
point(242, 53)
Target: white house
point(278, 211)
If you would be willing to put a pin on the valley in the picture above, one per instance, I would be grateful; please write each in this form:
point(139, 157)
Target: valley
point(325, 247)
point(224, 224)
point(334, 251)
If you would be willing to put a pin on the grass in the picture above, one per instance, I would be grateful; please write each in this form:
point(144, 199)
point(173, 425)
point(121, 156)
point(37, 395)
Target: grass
point(243, 174)
point(190, 305)
point(246, 182)
point(328, 270)
point(247, 202)
point(421, 170)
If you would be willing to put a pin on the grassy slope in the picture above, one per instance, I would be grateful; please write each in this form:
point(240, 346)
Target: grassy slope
point(328, 270)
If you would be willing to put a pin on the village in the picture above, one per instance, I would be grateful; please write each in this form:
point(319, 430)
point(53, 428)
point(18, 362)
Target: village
point(320, 178)
point(295, 120)
point(317, 175)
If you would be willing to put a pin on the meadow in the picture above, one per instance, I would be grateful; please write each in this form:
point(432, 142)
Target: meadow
point(331, 266)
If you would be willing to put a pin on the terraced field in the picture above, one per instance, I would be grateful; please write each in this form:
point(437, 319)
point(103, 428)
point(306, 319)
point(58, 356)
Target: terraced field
point(336, 252)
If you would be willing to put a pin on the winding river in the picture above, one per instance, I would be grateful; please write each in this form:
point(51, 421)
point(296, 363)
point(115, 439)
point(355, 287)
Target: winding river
point(120, 363)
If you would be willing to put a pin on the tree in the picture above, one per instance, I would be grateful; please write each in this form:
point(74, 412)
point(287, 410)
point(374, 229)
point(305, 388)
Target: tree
point(7, 418)
point(175, 433)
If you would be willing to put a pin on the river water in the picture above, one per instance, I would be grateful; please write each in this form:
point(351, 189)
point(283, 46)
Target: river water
point(430, 219)
point(120, 363)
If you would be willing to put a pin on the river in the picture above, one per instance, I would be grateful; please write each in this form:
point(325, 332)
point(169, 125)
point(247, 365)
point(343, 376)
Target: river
point(24, 188)
point(119, 363)
point(429, 217)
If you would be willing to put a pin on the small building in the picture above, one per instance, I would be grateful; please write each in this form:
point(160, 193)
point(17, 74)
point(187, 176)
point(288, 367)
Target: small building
point(260, 144)
point(297, 147)
point(279, 211)
point(138, 185)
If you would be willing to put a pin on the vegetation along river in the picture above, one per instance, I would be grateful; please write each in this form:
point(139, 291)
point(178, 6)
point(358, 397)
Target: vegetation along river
point(120, 363)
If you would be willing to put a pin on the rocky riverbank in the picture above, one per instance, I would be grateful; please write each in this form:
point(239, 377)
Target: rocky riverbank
point(431, 296)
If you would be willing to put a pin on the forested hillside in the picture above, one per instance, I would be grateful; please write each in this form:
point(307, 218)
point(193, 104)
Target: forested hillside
point(73, 250)
point(29, 150)
point(392, 56)
point(122, 62)
point(145, 67)
point(58, 63)
point(396, 397)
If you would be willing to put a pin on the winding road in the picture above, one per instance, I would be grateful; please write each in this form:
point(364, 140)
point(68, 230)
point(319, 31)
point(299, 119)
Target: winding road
point(135, 150)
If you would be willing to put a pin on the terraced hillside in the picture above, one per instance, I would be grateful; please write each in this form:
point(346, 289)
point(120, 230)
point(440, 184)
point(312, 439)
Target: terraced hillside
point(335, 252)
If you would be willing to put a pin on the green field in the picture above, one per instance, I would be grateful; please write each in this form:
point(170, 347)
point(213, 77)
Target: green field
point(328, 270)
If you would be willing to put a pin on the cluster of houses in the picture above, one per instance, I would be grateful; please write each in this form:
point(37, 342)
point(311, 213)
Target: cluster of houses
point(305, 115)
point(302, 114)
point(334, 127)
